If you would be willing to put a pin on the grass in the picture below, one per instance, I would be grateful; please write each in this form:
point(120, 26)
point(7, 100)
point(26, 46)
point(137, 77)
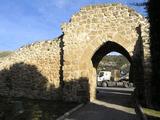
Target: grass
point(151, 112)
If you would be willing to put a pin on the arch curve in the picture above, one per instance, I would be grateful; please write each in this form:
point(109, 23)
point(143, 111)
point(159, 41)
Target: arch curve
point(106, 48)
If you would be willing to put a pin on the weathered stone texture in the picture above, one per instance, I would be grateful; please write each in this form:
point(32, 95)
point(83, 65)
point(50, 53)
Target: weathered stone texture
point(32, 71)
point(87, 31)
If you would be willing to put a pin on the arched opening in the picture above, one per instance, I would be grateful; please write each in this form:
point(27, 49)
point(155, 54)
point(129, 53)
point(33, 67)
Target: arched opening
point(118, 83)
point(113, 71)
point(107, 48)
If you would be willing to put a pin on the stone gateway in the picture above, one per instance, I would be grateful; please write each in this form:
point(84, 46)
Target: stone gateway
point(65, 68)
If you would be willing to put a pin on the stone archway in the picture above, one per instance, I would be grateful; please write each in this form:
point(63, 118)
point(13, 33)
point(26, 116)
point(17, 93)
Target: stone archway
point(90, 29)
point(67, 62)
point(106, 48)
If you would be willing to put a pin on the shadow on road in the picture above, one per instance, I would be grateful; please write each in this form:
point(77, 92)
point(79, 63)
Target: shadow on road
point(111, 104)
point(99, 111)
point(118, 96)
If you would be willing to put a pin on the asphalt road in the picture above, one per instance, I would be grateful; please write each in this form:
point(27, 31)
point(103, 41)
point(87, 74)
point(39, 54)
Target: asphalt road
point(111, 104)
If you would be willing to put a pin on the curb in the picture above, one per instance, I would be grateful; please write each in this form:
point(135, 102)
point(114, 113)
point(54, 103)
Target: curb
point(70, 112)
point(139, 109)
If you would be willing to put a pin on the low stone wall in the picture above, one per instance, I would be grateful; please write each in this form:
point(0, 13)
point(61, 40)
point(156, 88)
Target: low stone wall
point(32, 71)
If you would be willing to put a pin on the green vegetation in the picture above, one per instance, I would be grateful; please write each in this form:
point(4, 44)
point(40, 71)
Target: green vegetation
point(5, 53)
point(111, 62)
point(151, 112)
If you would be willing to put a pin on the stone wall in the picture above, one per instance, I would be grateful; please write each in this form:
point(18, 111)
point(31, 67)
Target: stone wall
point(88, 31)
point(41, 69)
point(32, 71)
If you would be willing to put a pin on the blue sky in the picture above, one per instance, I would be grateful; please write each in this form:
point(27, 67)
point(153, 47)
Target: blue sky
point(26, 21)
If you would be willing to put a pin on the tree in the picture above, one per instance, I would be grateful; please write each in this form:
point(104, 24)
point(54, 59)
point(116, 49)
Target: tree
point(153, 8)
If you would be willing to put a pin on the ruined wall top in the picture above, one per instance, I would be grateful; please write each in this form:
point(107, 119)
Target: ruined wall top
point(102, 23)
point(115, 10)
point(26, 51)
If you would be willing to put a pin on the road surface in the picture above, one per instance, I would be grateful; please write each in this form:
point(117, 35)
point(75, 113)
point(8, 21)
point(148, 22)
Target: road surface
point(111, 104)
